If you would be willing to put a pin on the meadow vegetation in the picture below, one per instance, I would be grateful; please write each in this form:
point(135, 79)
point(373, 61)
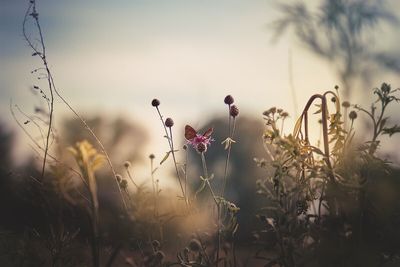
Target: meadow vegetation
point(332, 202)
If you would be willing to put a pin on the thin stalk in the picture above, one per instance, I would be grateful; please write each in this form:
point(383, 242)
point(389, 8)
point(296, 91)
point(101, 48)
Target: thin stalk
point(176, 165)
point(186, 176)
point(203, 160)
point(171, 146)
point(153, 186)
point(231, 133)
point(131, 178)
point(53, 88)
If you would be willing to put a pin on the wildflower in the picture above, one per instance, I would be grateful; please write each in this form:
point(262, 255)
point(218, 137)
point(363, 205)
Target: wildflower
point(155, 102)
point(229, 100)
point(169, 122)
point(198, 141)
point(234, 111)
point(127, 164)
point(201, 148)
point(151, 156)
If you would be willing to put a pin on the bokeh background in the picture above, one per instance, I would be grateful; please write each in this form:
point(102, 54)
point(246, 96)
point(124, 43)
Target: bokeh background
point(111, 58)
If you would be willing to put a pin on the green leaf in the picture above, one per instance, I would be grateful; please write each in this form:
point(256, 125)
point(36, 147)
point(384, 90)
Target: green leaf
point(165, 157)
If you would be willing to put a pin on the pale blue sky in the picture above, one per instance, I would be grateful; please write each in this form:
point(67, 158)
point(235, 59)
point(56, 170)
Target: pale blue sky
point(115, 56)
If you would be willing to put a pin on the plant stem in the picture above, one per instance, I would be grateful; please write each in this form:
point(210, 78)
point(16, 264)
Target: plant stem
point(231, 133)
point(203, 160)
point(171, 146)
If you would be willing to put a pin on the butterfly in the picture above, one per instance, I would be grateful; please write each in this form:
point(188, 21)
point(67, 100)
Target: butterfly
point(191, 133)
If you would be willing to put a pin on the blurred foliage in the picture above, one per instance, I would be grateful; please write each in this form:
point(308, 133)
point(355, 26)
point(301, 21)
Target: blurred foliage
point(242, 173)
point(334, 205)
point(345, 34)
point(122, 138)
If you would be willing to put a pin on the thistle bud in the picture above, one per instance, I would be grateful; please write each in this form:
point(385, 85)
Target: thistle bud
point(169, 122)
point(155, 102)
point(346, 104)
point(234, 111)
point(353, 115)
point(229, 100)
point(201, 148)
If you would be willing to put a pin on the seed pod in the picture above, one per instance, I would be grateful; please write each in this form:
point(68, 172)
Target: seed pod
point(169, 122)
point(234, 111)
point(155, 102)
point(229, 100)
point(353, 115)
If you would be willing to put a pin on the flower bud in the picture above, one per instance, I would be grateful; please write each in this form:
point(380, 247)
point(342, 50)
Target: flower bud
point(169, 122)
point(346, 104)
point(229, 100)
point(353, 115)
point(155, 102)
point(234, 111)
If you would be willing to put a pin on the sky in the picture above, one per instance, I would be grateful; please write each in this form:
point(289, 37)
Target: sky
point(114, 57)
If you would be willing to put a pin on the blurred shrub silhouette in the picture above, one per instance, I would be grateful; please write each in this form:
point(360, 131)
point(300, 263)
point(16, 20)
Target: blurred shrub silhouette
point(342, 32)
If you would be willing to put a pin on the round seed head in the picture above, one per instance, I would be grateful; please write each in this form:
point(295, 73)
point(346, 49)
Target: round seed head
point(169, 122)
point(234, 111)
point(155, 102)
point(151, 156)
point(228, 100)
point(353, 115)
point(127, 164)
point(346, 104)
point(333, 99)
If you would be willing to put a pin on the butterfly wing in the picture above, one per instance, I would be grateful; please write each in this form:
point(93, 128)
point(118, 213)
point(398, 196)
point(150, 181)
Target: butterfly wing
point(208, 132)
point(190, 133)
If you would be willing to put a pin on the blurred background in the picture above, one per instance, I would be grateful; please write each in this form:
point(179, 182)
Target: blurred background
point(111, 58)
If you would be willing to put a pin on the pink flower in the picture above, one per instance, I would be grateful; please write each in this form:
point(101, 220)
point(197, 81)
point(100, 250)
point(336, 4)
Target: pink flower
point(198, 140)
